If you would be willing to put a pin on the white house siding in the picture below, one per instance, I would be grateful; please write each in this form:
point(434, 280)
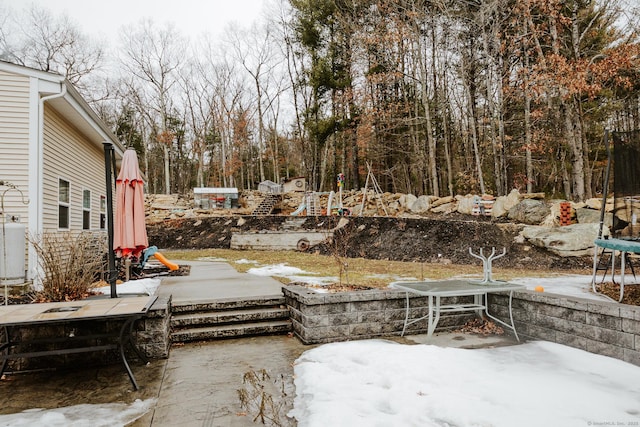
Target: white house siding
point(14, 141)
point(67, 155)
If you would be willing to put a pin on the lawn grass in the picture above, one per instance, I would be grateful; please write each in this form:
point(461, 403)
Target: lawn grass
point(361, 271)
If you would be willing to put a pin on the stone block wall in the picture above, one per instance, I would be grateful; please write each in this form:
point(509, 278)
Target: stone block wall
point(153, 332)
point(599, 327)
point(329, 317)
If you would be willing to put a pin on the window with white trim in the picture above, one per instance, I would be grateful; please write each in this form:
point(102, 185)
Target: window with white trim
point(103, 212)
point(86, 209)
point(63, 204)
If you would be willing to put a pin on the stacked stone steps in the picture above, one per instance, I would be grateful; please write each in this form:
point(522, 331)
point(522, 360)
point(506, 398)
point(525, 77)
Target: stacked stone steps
point(266, 205)
point(230, 318)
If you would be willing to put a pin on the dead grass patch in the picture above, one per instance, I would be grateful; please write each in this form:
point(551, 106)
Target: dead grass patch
point(362, 272)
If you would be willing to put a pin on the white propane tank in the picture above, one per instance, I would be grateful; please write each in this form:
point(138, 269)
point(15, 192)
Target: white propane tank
point(12, 252)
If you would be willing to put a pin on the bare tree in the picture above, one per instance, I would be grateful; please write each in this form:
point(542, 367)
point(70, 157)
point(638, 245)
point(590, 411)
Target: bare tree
point(226, 104)
point(254, 51)
point(197, 96)
point(38, 39)
point(153, 56)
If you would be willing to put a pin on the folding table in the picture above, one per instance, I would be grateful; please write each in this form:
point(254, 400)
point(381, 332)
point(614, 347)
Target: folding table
point(437, 290)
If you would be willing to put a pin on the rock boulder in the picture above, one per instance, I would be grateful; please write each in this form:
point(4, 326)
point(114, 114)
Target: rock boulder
point(503, 204)
point(421, 205)
point(407, 200)
point(465, 204)
point(568, 241)
point(591, 216)
point(529, 211)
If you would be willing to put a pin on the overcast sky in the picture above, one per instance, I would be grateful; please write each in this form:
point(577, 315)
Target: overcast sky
point(191, 17)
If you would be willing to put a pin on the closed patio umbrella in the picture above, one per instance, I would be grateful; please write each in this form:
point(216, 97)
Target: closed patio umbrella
point(129, 230)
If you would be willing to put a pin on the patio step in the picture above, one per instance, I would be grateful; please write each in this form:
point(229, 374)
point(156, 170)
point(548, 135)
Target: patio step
point(229, 318)
point(189, 320)
point(227, 304)
point(231, 331)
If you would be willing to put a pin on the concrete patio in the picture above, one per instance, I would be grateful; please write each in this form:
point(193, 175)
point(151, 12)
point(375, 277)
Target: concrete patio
point(198, 385)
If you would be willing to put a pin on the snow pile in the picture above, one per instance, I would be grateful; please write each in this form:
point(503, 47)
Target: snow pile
point(294, 274)
point(141, 286)
point(381, 383)
point(86, 415)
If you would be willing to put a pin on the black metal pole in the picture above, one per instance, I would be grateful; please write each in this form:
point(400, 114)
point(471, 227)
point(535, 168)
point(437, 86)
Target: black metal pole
point(605, 187)
point(109, 156)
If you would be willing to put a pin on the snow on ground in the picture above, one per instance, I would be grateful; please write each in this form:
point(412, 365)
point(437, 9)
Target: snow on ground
point(85, 415)
point(141, 286)
point(282, 270)
point(246, 261)
point(381, 383)
point(294, 274)
point(568, 285)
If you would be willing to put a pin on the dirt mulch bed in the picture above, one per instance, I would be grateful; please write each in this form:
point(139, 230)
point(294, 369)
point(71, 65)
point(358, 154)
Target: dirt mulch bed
point(481, 327)
point(612, 290)
point(332, 287)
point(397, 239)
point(161, 270)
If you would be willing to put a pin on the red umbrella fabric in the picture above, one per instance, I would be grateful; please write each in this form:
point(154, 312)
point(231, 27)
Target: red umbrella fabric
point(129, 230)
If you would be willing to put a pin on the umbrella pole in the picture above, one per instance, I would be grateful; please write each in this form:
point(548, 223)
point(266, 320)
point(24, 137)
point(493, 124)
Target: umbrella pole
point(108, 161)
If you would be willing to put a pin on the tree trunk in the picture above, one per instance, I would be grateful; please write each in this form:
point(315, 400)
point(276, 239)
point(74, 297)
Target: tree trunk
point(575, 147)
point(167, 176)
point(474, 139)
point(447, 153)
point(490, 80)
point(566, 181)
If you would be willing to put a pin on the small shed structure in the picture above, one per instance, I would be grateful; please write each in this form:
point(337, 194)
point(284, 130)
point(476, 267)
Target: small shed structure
point(270, 187)
point(215, 198)
point(295, 184)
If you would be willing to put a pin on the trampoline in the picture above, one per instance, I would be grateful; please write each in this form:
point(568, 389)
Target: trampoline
point(623, 240)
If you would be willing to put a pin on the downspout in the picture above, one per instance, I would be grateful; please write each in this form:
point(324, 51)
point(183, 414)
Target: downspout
point(63, 92)
point(39, 199)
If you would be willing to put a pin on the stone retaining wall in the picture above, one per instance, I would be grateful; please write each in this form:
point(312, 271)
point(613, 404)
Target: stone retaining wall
point(606, 328)
point(329, 317)
point(153, 332)
point(600, 327)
